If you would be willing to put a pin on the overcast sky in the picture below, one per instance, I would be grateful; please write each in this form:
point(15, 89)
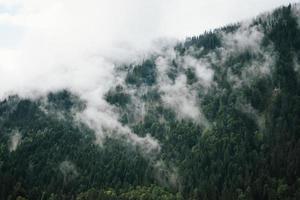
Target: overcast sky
point(50, 45)
point(118, 21)
point(53, 44)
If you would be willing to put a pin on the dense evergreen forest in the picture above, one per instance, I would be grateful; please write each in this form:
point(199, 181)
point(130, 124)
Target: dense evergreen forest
point(224, 107)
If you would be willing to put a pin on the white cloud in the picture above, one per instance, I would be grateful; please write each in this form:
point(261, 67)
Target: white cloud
point(69, 171)
point(67, 44)
point(203, 72)
point(180, 98)
point(15, 140)
point(178, 94)
point(245, 38)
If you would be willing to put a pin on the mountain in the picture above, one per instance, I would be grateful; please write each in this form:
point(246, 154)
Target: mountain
point(216, 116)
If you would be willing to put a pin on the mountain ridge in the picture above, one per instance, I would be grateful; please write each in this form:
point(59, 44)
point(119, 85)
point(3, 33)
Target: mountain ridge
point(214, 117)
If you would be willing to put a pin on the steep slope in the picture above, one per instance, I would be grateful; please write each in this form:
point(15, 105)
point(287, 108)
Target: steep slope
point(214, 117)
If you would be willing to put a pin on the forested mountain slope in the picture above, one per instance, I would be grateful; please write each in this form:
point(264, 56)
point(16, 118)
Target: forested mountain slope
point(214, 117)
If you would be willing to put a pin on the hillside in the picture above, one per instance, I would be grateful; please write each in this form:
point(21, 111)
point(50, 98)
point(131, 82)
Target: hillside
point(216, 116)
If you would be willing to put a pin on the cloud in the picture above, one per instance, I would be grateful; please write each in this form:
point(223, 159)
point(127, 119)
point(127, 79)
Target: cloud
point(178, 94)
point(245, 38)
point(74, 45)
point(167, 175)
point(201, 67)
point(70, 45)
point(69, 171)
point(180, 98)
point(15, 140)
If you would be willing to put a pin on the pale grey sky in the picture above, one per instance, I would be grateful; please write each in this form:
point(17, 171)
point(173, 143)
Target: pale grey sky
point(117, 21)
point(50, 45)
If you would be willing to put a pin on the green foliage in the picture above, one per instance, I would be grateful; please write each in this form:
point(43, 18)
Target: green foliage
point(138, 193)
point(142, 74)
point(207, 41)
point(118, 97)
point(36, 164)
point(191, 76)
point(238, 154)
